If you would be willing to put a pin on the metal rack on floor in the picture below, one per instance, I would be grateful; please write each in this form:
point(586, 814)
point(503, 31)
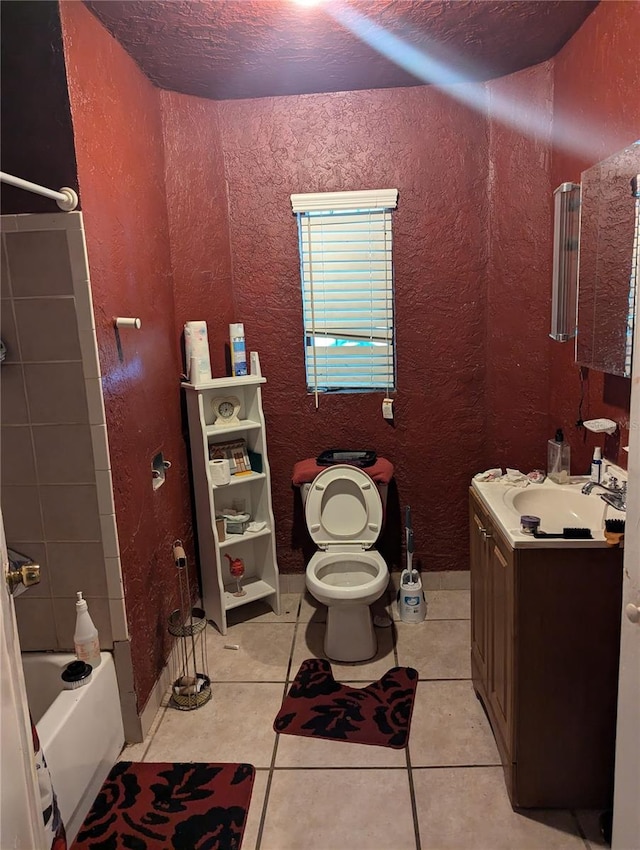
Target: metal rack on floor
point(192, 688)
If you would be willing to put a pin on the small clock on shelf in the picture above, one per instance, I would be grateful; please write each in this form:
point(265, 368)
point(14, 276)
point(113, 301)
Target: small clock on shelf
point(225, 410)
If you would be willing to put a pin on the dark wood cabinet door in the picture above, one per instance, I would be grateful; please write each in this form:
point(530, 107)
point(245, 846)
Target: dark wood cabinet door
point(479, 550)
point(500, 660)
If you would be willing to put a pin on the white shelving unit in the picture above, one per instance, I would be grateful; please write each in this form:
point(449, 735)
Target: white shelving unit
point(251, 489)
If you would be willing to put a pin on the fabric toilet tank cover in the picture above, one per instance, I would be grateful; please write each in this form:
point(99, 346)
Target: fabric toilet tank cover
point(306, 471)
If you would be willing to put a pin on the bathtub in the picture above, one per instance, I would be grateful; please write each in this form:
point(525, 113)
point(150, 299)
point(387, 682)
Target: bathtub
point(80, 731)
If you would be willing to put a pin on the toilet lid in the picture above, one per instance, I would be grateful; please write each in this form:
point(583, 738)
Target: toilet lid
point(343, 507)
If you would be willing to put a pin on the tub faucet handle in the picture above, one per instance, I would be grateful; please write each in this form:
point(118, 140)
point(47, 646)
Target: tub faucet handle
point(27, 575)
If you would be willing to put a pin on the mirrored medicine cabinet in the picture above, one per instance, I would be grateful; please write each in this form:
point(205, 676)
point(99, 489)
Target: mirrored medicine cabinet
point(609, 263)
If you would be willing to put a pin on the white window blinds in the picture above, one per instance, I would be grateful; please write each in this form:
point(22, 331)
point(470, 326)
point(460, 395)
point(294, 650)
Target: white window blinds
point(346, 270)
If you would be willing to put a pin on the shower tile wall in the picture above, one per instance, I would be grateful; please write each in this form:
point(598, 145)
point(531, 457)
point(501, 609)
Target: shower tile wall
point(55, 476)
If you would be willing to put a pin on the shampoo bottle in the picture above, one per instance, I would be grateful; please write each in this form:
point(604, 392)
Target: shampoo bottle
point(85, 637)
point(596, 465)
point(558, 459)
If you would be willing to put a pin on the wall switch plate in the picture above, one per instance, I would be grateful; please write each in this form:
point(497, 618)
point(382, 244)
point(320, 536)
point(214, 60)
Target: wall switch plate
point(387, 408)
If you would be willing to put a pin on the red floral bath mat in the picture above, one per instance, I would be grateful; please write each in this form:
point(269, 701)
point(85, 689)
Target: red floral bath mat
point(319, 707)
point(183, 806)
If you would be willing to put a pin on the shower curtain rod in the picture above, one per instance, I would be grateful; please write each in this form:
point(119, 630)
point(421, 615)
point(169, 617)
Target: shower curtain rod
point(66, 198)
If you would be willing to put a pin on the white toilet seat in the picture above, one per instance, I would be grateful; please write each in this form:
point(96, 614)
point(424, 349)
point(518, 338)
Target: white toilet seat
point(343, 507)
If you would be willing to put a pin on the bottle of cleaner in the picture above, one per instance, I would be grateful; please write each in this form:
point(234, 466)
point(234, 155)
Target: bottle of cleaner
point(85, 637)
point(412, 607)
point(238, 350)
point(596, 465)
point(558, 459)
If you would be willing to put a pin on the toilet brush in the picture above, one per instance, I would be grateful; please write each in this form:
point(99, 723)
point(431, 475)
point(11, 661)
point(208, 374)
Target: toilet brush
point(413, 574)
point(407, 573)
point(411, 601)
point(410, 569)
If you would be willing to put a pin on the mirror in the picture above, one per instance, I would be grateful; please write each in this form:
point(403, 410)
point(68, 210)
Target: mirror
point(608, 270)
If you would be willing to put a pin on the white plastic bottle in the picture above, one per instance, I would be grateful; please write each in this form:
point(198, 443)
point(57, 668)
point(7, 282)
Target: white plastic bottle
point(596, 465)
point(238, 350)
point(85, 637)
point(412, 606)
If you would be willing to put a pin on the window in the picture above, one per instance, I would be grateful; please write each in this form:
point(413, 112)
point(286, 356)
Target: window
point(346, 271)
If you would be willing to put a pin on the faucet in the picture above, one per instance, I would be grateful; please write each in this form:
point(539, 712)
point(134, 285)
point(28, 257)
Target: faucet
point(21, 572)
point(614, 495)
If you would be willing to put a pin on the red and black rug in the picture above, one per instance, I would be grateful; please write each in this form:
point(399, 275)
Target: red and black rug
point(319, 707)
point(182, 806)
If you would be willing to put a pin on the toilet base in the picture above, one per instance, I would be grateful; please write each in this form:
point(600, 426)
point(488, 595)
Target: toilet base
point(350, 635)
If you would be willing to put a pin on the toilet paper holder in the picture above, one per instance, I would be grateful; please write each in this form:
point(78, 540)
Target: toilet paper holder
point(159, 468)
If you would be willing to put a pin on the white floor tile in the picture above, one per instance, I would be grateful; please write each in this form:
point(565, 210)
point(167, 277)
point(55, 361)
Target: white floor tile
point(261, 611)
point(468, 809)
point(312, 610)
point(437, 649)
point(296, 751)
point(263, 654)
point(335, 809)
point(236, 725)
point(449, 727)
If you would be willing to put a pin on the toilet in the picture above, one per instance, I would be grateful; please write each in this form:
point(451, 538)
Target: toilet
point(344, 511)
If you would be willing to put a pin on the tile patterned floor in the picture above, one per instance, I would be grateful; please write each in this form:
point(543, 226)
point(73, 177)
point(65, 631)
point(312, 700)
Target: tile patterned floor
point(444, 792)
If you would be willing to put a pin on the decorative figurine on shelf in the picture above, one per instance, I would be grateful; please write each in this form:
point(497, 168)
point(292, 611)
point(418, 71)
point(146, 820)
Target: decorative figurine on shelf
point(236, 568)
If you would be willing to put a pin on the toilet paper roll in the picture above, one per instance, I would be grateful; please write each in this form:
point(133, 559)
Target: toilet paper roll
point(220, 472)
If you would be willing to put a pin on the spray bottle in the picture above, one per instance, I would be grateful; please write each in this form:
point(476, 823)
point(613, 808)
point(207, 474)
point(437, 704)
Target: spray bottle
point(412, 606)
point(238, 350)
point(85, 638)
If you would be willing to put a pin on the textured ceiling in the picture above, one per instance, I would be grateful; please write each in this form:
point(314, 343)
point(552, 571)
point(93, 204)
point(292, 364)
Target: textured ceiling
point(224, 49)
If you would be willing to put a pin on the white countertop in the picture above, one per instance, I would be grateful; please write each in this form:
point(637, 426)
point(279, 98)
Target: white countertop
point(496, 498)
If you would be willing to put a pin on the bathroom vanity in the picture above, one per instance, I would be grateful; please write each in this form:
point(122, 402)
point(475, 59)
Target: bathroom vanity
point(545, 630)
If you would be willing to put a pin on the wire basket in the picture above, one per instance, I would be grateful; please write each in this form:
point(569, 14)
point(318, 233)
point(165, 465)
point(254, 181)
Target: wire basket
point(197, 623)
point(192, 688)
point(189, 701)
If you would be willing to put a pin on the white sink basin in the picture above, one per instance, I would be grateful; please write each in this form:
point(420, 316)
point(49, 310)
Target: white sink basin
point(558, 508)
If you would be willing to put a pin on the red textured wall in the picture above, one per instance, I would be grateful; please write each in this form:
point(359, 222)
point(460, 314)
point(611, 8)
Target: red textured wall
point(473, 377)
point(434, 151)
point(119, 148)
point(198, 218)
point(596, 85)
point(519, 270)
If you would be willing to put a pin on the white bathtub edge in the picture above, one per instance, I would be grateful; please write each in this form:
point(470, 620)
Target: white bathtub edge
point(81, 735)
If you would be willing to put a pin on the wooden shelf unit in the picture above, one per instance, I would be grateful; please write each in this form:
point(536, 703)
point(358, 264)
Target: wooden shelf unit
point(253, 490)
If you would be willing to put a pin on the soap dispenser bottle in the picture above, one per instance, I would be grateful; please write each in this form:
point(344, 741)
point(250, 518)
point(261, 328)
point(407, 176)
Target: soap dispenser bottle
point(85, 637)
point(558, 459)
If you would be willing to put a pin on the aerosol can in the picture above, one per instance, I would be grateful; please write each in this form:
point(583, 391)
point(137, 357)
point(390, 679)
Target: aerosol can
point(412, 607)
